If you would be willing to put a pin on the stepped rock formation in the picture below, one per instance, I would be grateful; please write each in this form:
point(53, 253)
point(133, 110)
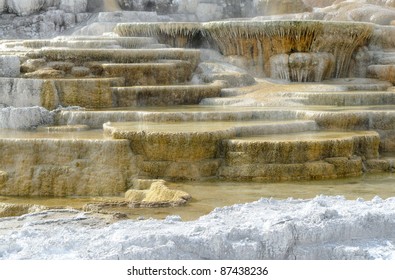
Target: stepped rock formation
point(128, 104)
point(144, 98)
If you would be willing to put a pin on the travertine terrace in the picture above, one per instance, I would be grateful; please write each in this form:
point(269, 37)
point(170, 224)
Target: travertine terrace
point(273, 98)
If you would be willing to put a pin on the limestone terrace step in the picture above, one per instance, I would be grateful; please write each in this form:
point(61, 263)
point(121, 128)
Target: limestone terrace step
point(96, 118)
point(81, 56)
point(348, 98)
point(125, 42)
point(301, 147)
point(163, 95)
point(191, 141)
point(153, 73)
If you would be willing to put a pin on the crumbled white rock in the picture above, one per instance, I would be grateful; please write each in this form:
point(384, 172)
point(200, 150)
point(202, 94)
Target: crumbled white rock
point(320, 228)
point(25, 118)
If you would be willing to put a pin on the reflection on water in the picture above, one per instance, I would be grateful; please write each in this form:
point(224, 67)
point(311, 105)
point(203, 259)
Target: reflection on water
point(211, 194)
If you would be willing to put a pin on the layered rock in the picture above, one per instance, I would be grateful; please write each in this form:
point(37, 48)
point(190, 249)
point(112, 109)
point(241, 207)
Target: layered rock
point(54, 164)
point(301, 156)
point(178, 34)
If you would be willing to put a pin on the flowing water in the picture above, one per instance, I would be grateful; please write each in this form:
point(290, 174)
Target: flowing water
point(208, 195)
point(282, 108)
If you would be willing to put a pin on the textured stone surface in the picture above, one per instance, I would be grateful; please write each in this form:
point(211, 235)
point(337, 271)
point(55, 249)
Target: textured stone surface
point(9, 66)
point(32, 65)
point(164, 95)
point(292, 50)
point(298, 157)
point(382, 72)
point(258, 41)
point(231, 75)
point(317, 170)
point(146, 74)
point(302, 67)
point(20, 92)
point(157, 195)
point(65, 167)
point(25, 117)
point(82, 56)
point(73, 6)
point(25, 7)
point(90, 93)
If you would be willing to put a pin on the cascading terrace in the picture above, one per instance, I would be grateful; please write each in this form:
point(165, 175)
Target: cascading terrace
point(136, 94)
point(294, 50)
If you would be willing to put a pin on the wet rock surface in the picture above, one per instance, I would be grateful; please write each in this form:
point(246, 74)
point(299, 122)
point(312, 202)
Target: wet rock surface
point(281, 97)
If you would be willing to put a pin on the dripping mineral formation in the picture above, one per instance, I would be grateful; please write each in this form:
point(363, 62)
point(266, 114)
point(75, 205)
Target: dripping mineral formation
point(122, 100)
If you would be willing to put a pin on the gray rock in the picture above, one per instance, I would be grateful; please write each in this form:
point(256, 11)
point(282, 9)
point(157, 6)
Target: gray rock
point(9, 66)
point(3, 6)
point(20, 92)
point(25, 7)
point(74, 6)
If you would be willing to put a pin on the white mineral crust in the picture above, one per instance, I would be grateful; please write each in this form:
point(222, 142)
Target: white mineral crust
point(24, 118)
point(320, 228)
